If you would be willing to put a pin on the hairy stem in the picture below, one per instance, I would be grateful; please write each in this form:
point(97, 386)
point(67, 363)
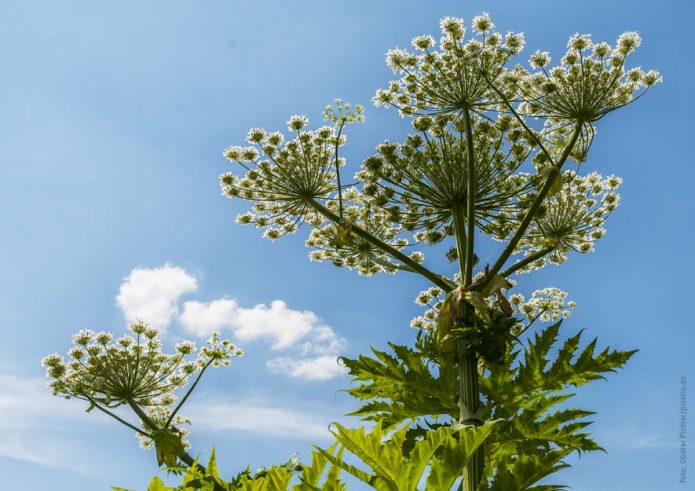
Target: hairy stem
point(443, 283)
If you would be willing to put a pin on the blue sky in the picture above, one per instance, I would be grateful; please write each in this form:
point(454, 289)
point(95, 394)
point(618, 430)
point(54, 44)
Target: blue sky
point(113, 119)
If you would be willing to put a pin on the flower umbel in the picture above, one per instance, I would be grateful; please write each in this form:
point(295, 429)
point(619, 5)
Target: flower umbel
point(134, 371)
point(449, 79)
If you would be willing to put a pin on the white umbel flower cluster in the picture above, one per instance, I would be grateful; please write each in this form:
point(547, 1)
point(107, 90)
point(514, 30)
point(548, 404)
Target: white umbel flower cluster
point(447, 78)
point(570, 220)
point(132, 370)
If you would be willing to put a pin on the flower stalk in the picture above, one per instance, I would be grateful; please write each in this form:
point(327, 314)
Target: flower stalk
point(469, 392)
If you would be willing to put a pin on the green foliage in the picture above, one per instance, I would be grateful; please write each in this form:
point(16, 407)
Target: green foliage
point(526, 394)
point(168, 446)
point(445, 451)
point(402, 387)
point(275, 478)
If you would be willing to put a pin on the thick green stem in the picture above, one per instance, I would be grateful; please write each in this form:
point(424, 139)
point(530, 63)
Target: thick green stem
point(185, 457)
point(470, 199)
point(143, 416)
point(469, 404)
point(189, 461)
point(414, 266)
point(469, 392)
point(461, 242)
point(509, 249)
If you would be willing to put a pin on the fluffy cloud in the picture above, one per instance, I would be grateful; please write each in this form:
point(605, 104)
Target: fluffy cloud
point(315, 345)
point(310, 346)
point(152, 295)
point(319, 368)
point(278, 324)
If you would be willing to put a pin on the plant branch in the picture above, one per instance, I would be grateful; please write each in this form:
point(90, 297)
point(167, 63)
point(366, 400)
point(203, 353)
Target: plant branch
point(468, 383)
point(118, 418)
point(509, 249)
point(337, 170)
point(461, 242)
point(470, 202)
point(521, 121)
point(526, 261)
point(142, 415)
point(188, 393)
point(443, 283)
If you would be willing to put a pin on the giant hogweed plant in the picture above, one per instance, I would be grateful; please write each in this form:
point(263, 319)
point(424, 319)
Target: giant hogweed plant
point(497, 150)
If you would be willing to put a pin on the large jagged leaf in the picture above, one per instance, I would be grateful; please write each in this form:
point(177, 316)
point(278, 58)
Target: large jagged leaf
point(443, 452)
point(310, 478)
point(401, 387)
point(510, 381)
point(448, 464)
point(527, 391)
point(521, 472)
point(385, 459)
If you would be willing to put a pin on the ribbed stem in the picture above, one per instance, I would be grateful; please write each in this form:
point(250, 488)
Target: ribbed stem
point(469, 402)
point(469, 392)
point(467, 275)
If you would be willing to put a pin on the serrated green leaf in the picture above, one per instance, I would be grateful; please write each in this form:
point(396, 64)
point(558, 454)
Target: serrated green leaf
point(156, 484)
point(402, 387)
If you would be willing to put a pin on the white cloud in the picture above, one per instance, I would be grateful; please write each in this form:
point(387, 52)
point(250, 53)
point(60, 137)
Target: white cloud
point(257, 417)
point(319, 368)
point(280, 325)
point(284, 328)
point(152, 294)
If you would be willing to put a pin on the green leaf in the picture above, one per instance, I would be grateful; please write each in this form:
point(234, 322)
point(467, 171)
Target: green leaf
point(311, 475)
point(212, 465)
point(448, 465)
point(444, 451)
point(401, 387)
point(526, 391)
point(168, 446)
point(156, 484)
point(337, 461)
point(525, 470)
